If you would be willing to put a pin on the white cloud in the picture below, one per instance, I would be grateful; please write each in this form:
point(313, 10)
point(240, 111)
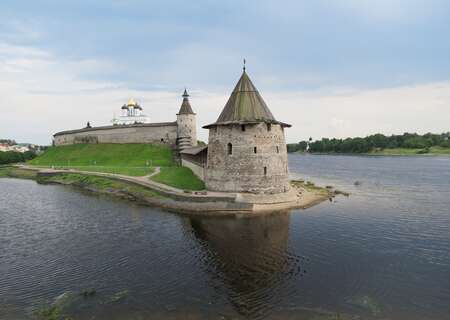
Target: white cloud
point(389, 10)
point(421, 108)
point(42, 94)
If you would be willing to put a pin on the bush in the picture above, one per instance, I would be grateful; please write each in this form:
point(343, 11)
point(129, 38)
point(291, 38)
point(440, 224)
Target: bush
point(14, 157)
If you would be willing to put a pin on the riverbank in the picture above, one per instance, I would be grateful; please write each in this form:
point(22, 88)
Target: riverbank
point(148, 192)
point(433, 151)
point(8, 171)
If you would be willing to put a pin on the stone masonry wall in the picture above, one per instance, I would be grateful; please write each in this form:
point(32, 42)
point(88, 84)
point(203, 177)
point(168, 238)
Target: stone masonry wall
point(198, 170)
point(187, 127)
point(243, 170)
point(141, 133)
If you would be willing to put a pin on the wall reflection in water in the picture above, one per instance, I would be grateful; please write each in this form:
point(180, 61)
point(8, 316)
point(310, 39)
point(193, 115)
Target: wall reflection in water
point(249, 259)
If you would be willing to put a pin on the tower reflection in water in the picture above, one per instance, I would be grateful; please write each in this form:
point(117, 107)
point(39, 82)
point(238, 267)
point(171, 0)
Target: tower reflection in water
point(249, 259)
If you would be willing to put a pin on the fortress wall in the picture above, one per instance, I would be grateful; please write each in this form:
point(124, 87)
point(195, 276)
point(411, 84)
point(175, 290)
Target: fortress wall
point(243, 170)
point(197, 169)
point(141, 133)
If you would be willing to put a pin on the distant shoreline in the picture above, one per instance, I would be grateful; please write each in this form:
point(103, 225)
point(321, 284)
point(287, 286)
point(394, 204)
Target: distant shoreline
point(378, 144)
point(386, 152)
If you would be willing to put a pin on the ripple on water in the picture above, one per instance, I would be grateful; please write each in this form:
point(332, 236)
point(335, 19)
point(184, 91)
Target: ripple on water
point(386, 244)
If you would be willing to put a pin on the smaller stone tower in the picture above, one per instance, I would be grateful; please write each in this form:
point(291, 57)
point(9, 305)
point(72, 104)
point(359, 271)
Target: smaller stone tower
point(187, 125)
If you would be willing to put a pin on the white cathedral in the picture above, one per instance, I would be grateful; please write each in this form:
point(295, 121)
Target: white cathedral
point(132, 113)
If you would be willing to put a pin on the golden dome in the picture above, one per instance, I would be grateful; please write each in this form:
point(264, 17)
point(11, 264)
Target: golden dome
point(131, 102)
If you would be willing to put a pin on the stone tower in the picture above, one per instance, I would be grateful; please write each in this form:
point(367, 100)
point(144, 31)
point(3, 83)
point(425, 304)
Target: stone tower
point(187, 124)
point(246, 145)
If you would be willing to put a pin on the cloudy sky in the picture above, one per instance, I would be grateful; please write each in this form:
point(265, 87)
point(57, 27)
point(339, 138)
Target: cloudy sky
point(331, 68)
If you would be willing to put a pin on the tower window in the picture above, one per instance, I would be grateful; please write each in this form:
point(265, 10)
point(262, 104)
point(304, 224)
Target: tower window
point(230, 148)
point(278, 149)
point(243, 127)
point(269, 127)
point(265, 171)
point(254, 150)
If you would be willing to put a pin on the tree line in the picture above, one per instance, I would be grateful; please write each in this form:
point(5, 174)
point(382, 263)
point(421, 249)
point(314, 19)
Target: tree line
point(372, 142)
point(7, 157)
point(9, 142)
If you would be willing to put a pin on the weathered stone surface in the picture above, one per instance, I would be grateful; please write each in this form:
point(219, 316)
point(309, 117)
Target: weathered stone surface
point(197, 169)
point(154, 133)
point(187, 129)
point(244, 170)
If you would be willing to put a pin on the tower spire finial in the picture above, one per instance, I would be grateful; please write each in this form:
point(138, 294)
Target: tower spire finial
point(185, 94)
point(243, 68)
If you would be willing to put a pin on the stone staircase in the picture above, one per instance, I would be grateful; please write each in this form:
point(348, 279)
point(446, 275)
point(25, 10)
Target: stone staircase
point(184, 143)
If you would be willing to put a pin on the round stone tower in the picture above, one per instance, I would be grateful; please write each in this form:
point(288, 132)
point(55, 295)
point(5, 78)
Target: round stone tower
point(187, 125)
point(246, 146)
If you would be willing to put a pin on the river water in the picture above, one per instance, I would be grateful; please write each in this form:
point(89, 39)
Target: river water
point(382, 253)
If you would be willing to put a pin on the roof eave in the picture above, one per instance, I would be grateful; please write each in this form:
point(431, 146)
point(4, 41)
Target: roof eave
point(241, 122)
point(194, 150)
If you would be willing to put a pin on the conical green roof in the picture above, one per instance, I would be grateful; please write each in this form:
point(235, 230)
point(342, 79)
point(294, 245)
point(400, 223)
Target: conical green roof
point(185, 105)
point(245, 105)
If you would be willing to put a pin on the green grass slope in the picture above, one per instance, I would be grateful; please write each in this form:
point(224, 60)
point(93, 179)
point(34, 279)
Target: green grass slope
point(439, 150)
point(179, 177)
point(130, 159)
point(99, 184)
point(436, 150)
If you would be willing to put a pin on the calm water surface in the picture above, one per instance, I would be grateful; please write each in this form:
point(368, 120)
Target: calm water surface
point(382, 253)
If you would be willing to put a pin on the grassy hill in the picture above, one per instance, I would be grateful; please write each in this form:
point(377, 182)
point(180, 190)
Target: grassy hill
point(179, 177)
point(131, 159)
point(128, 159)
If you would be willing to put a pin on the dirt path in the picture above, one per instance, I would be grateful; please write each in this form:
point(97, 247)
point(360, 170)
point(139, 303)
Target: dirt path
point(209, 201)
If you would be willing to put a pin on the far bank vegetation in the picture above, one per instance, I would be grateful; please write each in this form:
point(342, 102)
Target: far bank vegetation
point(405, 144)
